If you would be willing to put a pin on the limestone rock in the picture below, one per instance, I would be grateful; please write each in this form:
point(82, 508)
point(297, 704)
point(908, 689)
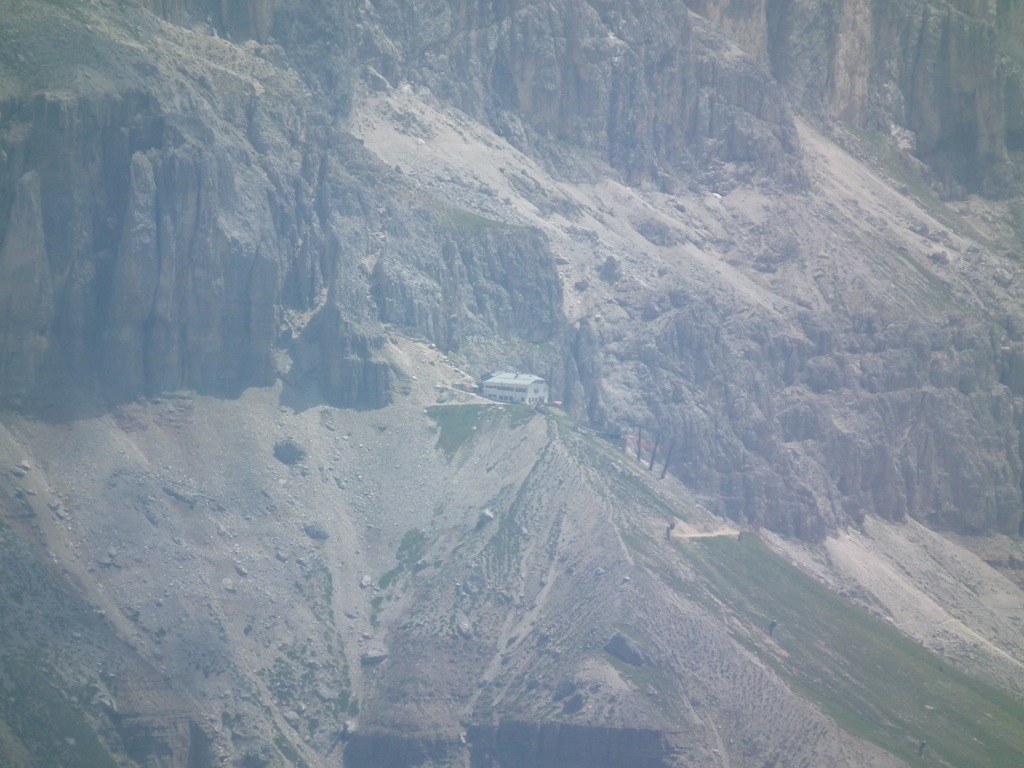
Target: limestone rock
point(26, 291)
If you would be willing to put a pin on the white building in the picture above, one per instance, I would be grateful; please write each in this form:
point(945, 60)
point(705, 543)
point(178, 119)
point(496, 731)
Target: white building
point(514, 388)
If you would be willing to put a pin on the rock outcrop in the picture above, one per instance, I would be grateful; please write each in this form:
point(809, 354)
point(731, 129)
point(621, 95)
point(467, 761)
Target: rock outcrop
point(160, 236)
point(513, 744)
point(944, 79)
point(207, 226)
point(233, 234)
point(642, 84)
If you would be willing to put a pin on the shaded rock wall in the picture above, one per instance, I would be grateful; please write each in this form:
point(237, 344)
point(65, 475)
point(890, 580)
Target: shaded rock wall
point(947, 73)
point(807, 422)
point(161, 235)
point(26, 290)
point(647, 85)
point(151, 287)
point(239, 19)
point(391, 750)
point(513, 744)
point(494, 278)
point(640, 83)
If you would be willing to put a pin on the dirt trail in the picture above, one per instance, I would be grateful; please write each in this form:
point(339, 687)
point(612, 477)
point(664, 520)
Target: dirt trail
point(685, 532)
point(706, 534)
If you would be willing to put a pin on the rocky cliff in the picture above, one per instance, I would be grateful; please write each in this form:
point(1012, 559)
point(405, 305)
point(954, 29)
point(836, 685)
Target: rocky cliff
point(172, 215)
point(771, 248)
point(943, 79)
point(193, 216)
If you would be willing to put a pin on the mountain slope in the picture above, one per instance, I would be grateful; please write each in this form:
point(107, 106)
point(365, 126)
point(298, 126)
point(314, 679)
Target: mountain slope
point(509, 569)
point(253, 257)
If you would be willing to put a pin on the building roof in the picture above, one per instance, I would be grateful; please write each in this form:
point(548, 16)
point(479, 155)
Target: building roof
point(519, 379)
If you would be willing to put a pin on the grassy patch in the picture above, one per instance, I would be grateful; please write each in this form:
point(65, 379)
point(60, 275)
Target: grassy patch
point(873, 681)
point(518, 415)
point(893, 162)
point(458, 423)
point(1015, 211)
point(317, 586)
point(652, 682)
point(388, 578)
point(410, 551)
point(44, 723)
point(291, 754)
point(466, 221)
point(412, 546)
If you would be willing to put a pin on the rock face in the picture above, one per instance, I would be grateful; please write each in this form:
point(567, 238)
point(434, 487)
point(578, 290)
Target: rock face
point(150, 247)
point(27, 302)
point(253, 242)
point(646, 83)
point(514, 744)
point(209, 226)
point(944, 78)
point(642, 84)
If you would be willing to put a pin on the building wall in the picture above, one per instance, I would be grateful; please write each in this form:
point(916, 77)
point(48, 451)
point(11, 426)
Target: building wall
point(531, 394)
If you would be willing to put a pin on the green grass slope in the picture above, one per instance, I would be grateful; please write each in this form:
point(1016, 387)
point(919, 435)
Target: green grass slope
point(44, 719)
point(871, 680)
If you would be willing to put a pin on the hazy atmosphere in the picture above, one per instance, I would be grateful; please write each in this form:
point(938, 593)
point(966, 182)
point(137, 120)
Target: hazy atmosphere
point(502, 384)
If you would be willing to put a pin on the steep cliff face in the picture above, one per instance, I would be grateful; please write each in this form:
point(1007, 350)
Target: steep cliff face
point(918, 422)
point(174, 227)
point(943, 78)
point(251, 20)
point(642, 84)
point(156, 236)
point(721, 229)
point(511, 744)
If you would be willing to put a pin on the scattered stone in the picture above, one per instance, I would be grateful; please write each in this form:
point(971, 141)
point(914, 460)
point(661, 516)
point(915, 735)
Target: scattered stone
point(315, 532)
point(188, 499)
point(373, 657)
point(611, 270)
point(289, 452)
point(623, 649)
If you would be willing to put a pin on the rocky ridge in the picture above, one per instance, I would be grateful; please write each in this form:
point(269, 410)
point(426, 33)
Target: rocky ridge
point(282, 600)
point(209, 206)
point(749, 238)
point(763, 301)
